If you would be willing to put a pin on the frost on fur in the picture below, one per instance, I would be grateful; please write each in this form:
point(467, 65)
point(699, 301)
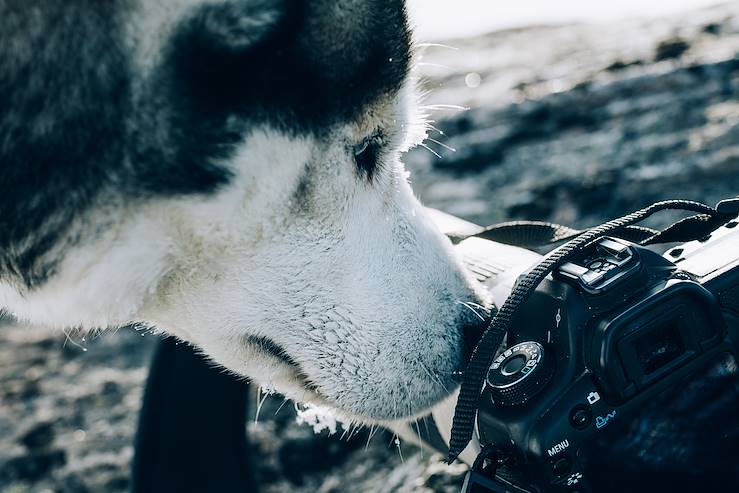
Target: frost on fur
point(320, 418)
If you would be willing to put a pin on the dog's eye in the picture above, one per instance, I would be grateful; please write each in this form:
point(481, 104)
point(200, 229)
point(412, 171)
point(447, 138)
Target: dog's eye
point(367, 154)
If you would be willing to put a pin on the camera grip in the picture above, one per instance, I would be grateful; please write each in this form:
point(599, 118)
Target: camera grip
point(729, 298)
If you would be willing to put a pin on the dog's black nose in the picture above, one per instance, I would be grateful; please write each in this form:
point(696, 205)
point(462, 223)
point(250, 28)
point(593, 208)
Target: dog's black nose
point(472, 331)
point(474, 328)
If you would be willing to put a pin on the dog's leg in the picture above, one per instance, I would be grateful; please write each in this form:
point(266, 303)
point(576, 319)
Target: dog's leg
point(192, 427)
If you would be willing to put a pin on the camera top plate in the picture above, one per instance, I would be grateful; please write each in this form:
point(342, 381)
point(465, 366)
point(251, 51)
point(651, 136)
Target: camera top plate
point(605, 264)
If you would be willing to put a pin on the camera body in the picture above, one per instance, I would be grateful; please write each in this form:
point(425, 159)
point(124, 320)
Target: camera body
point(600, 337)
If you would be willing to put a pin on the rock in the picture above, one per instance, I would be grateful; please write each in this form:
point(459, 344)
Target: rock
point(33, 466)
point(312, 454)
point(72, 483)
point(118, 483)
point(111, 389)
point(671, 48)
point(39, 436)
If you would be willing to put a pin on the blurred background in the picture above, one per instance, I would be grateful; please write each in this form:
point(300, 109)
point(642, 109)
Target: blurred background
point(573, 111)
point(443, 20)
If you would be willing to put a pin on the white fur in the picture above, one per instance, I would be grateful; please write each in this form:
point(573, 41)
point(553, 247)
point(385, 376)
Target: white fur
point(353, 279)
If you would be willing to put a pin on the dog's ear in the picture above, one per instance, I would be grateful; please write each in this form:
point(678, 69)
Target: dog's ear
point(309, 62)
point(237, 25)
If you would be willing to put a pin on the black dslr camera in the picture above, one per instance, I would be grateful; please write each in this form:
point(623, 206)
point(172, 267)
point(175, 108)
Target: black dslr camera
point(601, 335)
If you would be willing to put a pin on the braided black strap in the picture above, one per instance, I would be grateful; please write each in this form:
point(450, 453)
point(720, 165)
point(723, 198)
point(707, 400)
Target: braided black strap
point(535, 234)
point(492, 338)
point(686, 229)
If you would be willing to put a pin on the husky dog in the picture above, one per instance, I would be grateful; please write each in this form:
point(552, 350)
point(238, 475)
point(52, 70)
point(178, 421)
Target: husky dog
point(228, 172)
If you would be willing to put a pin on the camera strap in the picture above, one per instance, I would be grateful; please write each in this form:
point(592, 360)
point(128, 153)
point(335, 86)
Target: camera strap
point(704, 221)
point(537, 234)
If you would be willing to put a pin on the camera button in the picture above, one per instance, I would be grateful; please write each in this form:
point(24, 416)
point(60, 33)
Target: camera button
point(515, 364)
point(581, 416)
point(592, 277)
point(562, 467)
point(573, 270)
point(519, 373)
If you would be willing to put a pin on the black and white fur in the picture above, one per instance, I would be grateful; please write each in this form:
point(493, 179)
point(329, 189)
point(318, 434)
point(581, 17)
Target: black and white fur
point(227, 171)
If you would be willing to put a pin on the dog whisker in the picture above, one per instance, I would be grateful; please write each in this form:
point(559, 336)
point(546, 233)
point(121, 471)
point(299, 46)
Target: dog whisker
point(446, 107)
point(477, 305)
point(68, 337)
point(418, 432)
point(357, 429)
point(430, 150)
point(466, 305)
point(426, 425)
point(284, 401)
point(400, 451)
point(436, 45)
point(449, 148)
point(372, 433)
point(261, 399)
point(432, 127)
point(437, 65)
point(346, 430)
point(259, 405)
point(433, 377)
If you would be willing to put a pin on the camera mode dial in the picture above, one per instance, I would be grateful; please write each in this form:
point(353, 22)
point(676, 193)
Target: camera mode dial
point(519, 373)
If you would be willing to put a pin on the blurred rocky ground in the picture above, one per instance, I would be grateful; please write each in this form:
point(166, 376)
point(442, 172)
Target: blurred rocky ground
point(579, 123)
point(572, 123)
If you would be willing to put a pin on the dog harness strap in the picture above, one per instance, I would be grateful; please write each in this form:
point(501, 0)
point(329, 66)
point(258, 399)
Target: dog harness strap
point(492, 338)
